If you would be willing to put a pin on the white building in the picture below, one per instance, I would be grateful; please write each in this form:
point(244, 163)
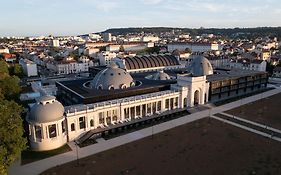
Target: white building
point(29, 67)
point(105, 58)
point(195, 47)
point(132, 46)
point(94, 36)
point(256, 65)
point(150, 39)
point(69, 66)
point(51, 125)
point(106, 37)
point(55, 43)
point(4, 49)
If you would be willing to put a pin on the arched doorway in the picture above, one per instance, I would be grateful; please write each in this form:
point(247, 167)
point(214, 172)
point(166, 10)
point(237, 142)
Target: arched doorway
point(196, 97)
point(185, 102)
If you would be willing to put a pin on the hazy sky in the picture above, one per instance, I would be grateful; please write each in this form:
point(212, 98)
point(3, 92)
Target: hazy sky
point(71, 17)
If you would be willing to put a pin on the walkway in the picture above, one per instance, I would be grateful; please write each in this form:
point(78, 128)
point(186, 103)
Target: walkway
point(254, 127)
point(42, 165)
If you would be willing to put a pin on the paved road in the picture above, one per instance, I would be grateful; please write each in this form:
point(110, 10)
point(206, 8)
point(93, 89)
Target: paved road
point(42, 165)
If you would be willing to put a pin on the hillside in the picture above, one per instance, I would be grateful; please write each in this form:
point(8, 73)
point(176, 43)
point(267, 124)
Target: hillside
point(229, 32)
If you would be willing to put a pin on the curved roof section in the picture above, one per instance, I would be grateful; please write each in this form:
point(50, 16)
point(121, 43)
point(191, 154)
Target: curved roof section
point(112, 78)
point(161, 75)
point(201, 66)
point(142, 62)
point(47, 109)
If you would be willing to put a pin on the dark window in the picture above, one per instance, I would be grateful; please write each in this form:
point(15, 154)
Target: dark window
point(38, 132)
point(143, 110)
point(101, 118)
point(167, 103)
point(72, 126)
point(82, 122)
point(138, 110)
point(52, 131)
point(159, 106)
point(132, 110)
point(149, 108)
point(153, 107)
point(63, 126)
point(126, 112)
point(91, 122)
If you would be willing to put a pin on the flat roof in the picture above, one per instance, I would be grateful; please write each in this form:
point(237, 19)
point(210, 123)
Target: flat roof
point(94, 95)
point(225, 74)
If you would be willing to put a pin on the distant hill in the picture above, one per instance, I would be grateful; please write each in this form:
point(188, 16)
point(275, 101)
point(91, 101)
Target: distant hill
point(229, 32)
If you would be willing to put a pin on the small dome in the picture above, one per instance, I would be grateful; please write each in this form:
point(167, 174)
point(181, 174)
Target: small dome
point(112, 78)
point(161, 75)
point(47, 109)
point(200, 66)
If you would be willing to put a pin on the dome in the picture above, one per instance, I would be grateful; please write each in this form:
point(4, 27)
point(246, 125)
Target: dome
point(200, 66)
point(112, 78)
point(47, 109)
point(161, 75)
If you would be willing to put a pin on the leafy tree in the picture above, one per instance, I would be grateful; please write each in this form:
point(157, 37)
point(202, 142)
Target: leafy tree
point(176, 52)
point(188, 50)
point(11, 132)
point(121, 48)
point(102, 48)
point(10, 87)
point(17, 70)
point(269, 68)
point(4, 71)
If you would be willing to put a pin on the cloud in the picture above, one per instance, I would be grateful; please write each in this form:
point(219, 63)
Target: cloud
point(151, 2)
point(106, 6)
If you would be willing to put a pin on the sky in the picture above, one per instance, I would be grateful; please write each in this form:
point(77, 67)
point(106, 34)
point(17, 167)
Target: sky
point(74, 17)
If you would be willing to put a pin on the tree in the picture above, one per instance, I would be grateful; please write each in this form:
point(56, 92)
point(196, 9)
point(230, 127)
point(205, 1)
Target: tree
point(11, 134)
point(188, 50)
point(10, 87)
point(12, 141)
point(17, 70)
point(4, 71)
point(121, 48)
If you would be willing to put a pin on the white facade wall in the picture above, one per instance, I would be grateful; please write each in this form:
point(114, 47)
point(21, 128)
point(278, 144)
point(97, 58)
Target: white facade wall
point(55, 43)
point(193, 46)
point(29, 67)
point(70, 68)
point(105, 58)
point(251, 66)
point(129, 47)
point(45, 142)
point(150, 39)
point(4, 50)
point(105, 113)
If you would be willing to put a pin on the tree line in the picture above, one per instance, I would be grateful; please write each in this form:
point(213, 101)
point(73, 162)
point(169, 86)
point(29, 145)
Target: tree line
point(12, 141)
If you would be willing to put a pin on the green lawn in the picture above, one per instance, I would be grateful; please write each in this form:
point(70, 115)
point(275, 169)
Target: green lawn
point(29, 156)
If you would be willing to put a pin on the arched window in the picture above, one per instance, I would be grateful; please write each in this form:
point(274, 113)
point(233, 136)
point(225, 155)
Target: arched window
point(185, 102)
point(111, 87)
point(72, 126)
point(196, 97)
point(100, 87)
point(91, 122)
point(123, 86)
